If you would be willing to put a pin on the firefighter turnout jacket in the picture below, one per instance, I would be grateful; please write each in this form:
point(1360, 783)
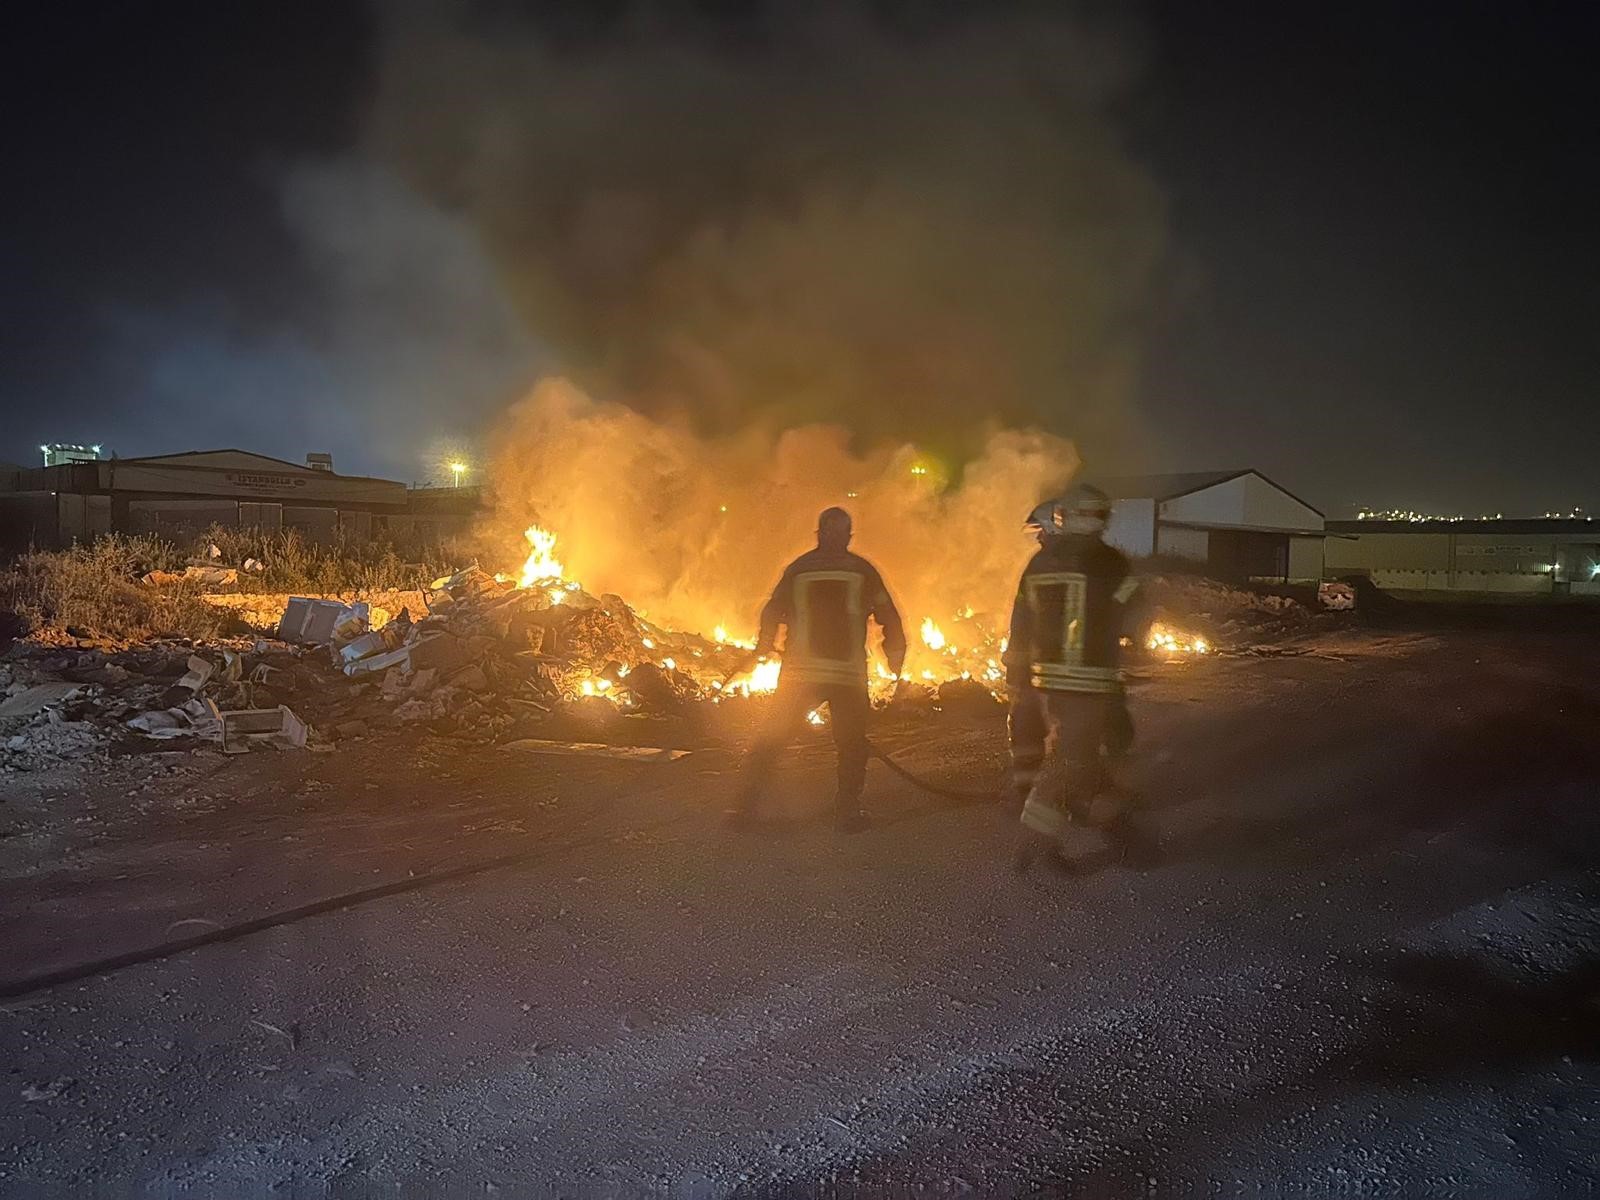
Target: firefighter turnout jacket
point(1066, 622)
point(824, 600)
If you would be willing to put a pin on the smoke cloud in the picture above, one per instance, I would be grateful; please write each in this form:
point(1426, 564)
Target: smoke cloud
point(912, 220)
point(767, 263)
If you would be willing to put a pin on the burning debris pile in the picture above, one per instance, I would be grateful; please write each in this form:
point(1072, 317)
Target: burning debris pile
point(485, 657)
point(1193, 615)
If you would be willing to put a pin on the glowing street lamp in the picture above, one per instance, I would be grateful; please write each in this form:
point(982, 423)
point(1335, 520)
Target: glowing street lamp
point(457, 469)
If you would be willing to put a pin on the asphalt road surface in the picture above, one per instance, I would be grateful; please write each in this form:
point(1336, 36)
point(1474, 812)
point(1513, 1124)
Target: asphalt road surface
point(1366, 961)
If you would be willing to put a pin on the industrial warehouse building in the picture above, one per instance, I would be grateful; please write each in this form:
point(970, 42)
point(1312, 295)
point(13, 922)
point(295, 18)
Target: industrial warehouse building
point(1237, 525)
point(1543, 557)
point(178, 495)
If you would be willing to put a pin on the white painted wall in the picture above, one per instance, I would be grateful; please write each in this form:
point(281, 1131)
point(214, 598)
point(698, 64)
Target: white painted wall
point(1389, 552)
point(1132, 527)
point(1194, 544)
point(1464, 581)
point(1247, 500)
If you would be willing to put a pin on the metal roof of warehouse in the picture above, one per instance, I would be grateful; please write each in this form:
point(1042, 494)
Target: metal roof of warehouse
point(1169, 487)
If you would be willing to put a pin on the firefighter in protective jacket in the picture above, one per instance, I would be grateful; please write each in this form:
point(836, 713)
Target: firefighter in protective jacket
point(823, 601)
point(1066, 627)
point(1025, 721)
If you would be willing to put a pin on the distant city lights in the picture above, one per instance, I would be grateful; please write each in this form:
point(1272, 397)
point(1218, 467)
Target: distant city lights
point(1407, 514)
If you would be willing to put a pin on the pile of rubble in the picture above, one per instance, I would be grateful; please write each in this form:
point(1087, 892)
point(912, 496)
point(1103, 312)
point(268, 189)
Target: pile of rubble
point(483, 659)
point(488, 655)
point(76, 702)
point(482, 662)
point(1227, 617)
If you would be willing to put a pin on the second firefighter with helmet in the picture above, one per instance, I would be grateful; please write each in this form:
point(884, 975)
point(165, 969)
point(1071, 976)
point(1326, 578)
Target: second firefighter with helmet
point(1063, 655)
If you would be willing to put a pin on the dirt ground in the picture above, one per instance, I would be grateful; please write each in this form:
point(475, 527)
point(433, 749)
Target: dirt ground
point(1366, 958)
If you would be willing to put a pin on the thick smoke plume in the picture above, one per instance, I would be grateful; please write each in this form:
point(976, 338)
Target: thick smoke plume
point(694, 529)
point(911, 220)
point(778, 259)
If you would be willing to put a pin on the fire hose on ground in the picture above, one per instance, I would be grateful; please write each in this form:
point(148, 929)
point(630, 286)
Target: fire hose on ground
point(934, 789)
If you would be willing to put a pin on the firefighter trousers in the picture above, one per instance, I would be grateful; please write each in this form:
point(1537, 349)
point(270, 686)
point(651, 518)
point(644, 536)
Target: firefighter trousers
point(1029, 728)
point(847, 718)
point(1071, 773)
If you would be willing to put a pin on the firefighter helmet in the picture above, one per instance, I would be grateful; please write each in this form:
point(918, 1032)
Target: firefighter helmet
point(1044, 519)
point(1085, 509)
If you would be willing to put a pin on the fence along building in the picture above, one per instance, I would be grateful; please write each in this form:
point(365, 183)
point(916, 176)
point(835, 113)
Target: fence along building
point(175, 495)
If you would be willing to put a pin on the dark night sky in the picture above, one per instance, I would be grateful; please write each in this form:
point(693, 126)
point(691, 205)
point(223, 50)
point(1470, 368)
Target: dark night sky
point(1381, 286)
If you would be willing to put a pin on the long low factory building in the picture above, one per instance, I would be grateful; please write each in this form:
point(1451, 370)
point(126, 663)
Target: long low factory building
point(179, 495)
point(1535, 557)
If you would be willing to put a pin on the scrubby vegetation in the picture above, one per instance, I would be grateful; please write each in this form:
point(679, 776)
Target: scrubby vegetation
point(294, 563)
point(97, 588)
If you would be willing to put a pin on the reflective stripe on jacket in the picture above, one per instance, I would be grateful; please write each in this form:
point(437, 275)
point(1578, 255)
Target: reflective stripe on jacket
point(824, 600)
point(1067, 619)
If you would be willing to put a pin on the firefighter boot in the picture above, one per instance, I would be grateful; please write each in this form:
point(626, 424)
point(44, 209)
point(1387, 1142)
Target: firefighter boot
point(1082, 846)
point(1039, 849)
point(848, 815)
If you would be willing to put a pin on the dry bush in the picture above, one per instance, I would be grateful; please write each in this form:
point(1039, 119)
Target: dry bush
point(295, 563)
point(96, 588)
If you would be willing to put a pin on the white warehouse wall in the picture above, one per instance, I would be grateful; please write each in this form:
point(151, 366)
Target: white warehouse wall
point(1132, 527)
point(1194, 544)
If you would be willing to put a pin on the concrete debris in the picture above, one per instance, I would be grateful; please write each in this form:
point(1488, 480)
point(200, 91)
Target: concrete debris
point(380, 662)
point(274, 677)
point(470, 679)
point(198, 675)
point(49, 740)
point(245, 729)
point(441, 651)
point(104, 674)
point(415, 710)
point(195, 718)
point(33, 700)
